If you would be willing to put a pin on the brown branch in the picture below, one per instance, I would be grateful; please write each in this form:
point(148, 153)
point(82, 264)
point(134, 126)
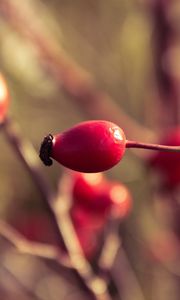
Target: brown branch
point(96, 284)
point(24, 288)
point(58, 209)
point(28, 156)
point(166, 39)
point(25, 246)
point(114, 261)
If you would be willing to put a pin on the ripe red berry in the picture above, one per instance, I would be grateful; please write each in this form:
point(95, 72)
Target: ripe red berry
point(84, 218)
point(89, 147)
point(88, 225)
point(87, 191)
point(4, 99)
point(167, 163)
point(98, 197)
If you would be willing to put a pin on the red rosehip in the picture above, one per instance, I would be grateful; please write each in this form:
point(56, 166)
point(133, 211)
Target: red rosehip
point(89, 241)
point(168, 163)
point(87, 191)
point(4, 99)
point(88, 147)
point(93, 194)
point(88, 226)
point(85, 218)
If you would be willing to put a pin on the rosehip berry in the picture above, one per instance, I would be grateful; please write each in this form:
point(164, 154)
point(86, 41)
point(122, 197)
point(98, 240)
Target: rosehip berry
point(88, 147)
point(88, 226)
point(84, 218)
point(87, 191)
point(167, 163)
point(94, 196)
point(4, 99)
point(89, 241)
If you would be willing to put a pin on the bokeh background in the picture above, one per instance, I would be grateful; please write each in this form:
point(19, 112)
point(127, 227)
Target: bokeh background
point(119, 43)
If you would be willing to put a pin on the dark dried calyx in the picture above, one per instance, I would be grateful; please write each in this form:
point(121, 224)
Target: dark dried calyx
point(45, 150)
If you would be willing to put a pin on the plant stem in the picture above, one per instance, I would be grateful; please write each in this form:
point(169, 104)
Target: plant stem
point(166, 148)
point(56, 205)
point(23, 245)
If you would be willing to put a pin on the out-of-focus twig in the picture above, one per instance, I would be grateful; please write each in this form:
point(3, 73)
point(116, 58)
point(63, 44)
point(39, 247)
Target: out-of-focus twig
point(160, 240)
point(166, 43)
point(24, 288)
point(97, 285)
point(58, 210)
point(109, 251)
point(27, 154)
point(75, 81)
point(117, 265)
point(25, 246)
point(125, 278)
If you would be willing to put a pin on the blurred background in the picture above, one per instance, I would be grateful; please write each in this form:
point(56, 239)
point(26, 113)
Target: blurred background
point(71, 61)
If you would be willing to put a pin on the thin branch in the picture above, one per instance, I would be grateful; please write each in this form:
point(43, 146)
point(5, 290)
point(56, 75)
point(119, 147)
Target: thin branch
point(25, 246)
point(28, 156)
point(58, 210)
point(125, 278)
point(95, 283)
point(117, 266)
point(165, 40)
point(111, 245)
point(157, 147)
point(28, 291)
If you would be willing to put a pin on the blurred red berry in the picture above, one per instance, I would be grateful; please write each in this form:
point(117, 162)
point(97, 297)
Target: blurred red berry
point(84, 218)
point(120, 199)
point(98, 196)
point(88, 226)
point(89, 241)
point(167, 163)
point(4, 99)
point(88, 190)
point(89, 147)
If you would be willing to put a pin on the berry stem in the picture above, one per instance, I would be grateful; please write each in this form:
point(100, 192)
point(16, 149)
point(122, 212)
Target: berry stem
point(134, 144)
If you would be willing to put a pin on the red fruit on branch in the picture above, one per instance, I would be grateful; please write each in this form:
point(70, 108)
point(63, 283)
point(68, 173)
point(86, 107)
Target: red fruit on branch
point(4, 99)
point(91, 146)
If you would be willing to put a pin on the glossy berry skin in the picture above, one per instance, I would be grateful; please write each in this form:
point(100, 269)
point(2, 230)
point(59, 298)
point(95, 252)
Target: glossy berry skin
point(167, 163)
point(4, 99)
point(88, 147)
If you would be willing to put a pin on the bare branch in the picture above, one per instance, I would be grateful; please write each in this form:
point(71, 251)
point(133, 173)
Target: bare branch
point(32, 248)
point(58, 209)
